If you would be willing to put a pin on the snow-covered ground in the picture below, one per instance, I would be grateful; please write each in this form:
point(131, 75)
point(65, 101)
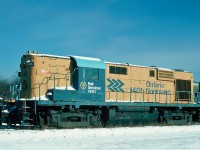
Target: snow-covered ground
point(164, 137)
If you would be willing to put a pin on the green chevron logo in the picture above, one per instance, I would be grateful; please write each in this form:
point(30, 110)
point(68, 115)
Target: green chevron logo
point(115, 85)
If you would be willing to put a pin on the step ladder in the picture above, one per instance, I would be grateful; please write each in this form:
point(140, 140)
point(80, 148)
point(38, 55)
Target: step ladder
point(27, 115)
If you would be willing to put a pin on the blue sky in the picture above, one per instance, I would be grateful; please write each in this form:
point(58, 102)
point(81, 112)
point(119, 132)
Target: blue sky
point(164, 33)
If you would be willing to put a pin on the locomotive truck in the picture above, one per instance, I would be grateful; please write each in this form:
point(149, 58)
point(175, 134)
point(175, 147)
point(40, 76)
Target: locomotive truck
point(76, 91)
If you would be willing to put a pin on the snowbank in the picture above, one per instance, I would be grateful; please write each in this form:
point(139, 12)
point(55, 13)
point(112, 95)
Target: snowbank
point(171, 137)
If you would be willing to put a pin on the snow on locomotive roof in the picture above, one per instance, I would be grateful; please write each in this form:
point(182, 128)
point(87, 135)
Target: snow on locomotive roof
point(48, 55)
point(86, 58)
point(126, 64)
point(123, 64)
point(97, 59)
point(68, 57)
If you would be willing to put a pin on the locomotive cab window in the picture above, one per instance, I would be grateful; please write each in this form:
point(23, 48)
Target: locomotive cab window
point(152, 73)
point(118, 70)
point(91, 73)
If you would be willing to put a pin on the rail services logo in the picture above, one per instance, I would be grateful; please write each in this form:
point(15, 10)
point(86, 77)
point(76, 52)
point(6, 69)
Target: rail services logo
point(83, 85)
point(115, 85)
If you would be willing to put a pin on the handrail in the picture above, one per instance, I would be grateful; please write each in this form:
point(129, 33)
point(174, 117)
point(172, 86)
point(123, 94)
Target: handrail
point(38, 85)
point(144, 96)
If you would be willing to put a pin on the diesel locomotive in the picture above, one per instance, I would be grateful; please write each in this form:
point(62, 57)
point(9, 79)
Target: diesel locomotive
point(76, 91)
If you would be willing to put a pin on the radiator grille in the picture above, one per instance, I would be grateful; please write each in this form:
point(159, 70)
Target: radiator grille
point(165, 75)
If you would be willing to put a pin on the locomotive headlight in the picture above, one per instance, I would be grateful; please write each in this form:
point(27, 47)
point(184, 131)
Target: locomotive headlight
point(29, 63)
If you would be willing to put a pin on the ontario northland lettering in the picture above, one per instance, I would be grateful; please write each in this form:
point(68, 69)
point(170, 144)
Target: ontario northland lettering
point(151, 88)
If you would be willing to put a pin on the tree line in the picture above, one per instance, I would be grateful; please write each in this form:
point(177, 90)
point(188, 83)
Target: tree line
point(5, 84)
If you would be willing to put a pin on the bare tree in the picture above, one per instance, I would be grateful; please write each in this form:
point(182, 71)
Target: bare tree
point(5, 86)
